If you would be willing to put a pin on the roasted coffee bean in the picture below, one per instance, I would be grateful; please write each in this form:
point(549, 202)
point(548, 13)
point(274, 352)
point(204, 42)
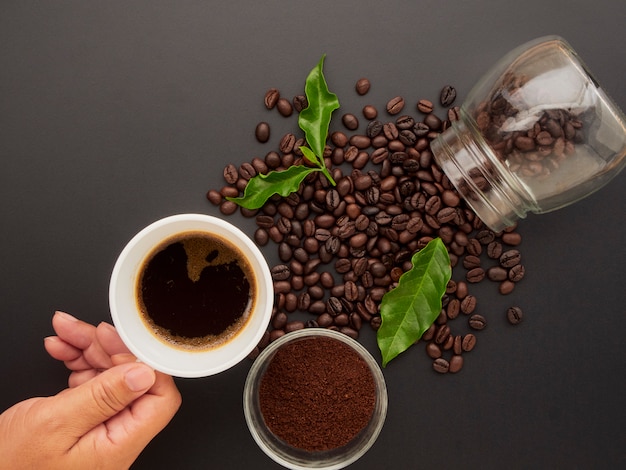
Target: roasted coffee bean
point(453, 308)
point(516, 273)
point(485, 237)
point(362, 86)
point(512, 238)
point(279, 320)
point(514, 315)
point(510, 258)
point(317, 307)
point(395, 105)
point(261, 237)
point(506, 287)
point(351, 292)
point(468, 304)
point(247, 171)
point(271, 98)
point(442, 334)
point(497, 273)
point(461, 290)
point(359, 142)
point(432, 350)
point(334, 306)
point(474, 247)
point(294, 326)
point(300, 102)
point(272, 160)
point(454, 114)
point(477, 322)
point(228, 207)
point(445, 215)
point(231, 174)
point(284, 107)
point(441, 365)
point(287, 143)
point(455, 364)
point(469, 342)
point(280, 272)
point(447, 96)
point(457, 347)
point(475, 275)
point(370, 112)
point(215, 197)
point(425, 106)
point(494, 250)
point(262, 132)
point(350, 121)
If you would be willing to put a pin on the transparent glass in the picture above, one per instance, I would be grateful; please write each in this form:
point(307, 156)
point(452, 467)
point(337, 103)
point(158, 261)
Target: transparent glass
point(535, 134)
point(299, 459)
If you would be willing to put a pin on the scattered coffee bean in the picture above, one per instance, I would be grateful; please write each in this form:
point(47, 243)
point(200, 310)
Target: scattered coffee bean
point(370, 112)
point(284, 107)
point(300, 102)
point(477, 322)
point(271, 98)
point(441, 365)
point(362, 86)
point(350, 121)
point(262, 132)
point(514, 315)
point(395, 105)
point(425, 106)
point(447, 96)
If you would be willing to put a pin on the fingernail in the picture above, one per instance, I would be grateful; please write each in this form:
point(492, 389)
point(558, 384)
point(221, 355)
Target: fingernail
point(106, 325)
point(139, 378)
point(65, 316)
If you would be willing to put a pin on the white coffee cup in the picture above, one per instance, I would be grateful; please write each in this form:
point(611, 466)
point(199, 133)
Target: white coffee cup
point(144, 343)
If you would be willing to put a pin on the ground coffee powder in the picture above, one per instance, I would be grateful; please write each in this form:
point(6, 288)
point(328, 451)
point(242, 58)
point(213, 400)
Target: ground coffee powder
point(317, 394)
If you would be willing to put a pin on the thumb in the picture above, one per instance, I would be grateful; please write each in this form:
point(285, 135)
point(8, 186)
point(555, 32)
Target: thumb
point(84, 407)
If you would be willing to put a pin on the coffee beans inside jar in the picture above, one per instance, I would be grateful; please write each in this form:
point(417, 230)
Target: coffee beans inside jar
point(341, 248)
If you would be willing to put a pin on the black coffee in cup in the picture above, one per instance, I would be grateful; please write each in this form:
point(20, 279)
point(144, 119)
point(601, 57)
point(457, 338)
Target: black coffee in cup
point(196, 290)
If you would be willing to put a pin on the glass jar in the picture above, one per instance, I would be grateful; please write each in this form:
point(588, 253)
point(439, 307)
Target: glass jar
point(536, 133)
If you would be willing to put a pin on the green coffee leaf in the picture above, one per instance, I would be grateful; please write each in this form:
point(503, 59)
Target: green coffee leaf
point(262, 187)
point(408, 310)
point(315, 119)
point(314, 159)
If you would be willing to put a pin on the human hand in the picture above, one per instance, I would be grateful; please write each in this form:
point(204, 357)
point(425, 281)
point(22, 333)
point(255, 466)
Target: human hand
point(112, 409)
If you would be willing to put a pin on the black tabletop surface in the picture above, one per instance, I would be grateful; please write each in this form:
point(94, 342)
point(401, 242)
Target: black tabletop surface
point(115, 114)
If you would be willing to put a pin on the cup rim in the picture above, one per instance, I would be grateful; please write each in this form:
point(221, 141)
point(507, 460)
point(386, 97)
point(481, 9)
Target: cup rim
point(144, 344)
point(297, 459)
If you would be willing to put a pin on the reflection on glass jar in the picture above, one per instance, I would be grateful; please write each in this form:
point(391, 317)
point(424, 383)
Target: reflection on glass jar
point(536, 133)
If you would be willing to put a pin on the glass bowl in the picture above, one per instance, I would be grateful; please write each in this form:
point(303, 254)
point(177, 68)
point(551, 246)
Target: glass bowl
point(297, 458)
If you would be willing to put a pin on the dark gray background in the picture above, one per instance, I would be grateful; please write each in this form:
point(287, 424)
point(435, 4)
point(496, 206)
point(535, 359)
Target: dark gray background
point(114, 114)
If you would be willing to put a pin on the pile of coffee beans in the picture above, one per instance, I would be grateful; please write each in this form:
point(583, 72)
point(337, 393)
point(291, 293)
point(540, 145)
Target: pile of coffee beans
point(341, 248)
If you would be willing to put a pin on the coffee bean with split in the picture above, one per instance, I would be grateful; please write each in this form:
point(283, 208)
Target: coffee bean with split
point(395, 105)
point(447, 96)
point(477, 322)
point(441, 365)
point(514, 315)
point(271, 98)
